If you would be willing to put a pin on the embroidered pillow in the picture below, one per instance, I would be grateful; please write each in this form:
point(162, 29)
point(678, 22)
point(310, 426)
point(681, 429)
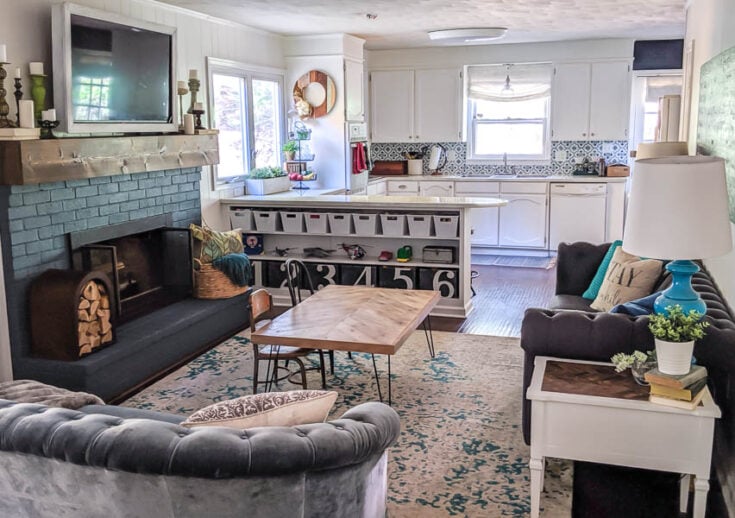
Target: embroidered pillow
point(627, 278)
point(596, 284)
point(269, 409)
point(216, 244)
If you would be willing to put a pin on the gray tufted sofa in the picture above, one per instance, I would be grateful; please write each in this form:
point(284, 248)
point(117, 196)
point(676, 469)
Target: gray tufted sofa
point(106, 461)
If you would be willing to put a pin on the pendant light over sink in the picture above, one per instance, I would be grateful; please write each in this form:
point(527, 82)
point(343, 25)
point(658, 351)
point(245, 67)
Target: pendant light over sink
point(467, 35)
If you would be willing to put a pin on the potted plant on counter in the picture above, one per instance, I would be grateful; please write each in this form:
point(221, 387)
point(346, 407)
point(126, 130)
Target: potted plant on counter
point(289, 149)
point(267, 180)
point(675, 333)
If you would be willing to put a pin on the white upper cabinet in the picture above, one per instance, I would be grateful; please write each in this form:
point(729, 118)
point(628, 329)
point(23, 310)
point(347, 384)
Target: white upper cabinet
point(354, 91)
point(591, 101)
point(415, 105)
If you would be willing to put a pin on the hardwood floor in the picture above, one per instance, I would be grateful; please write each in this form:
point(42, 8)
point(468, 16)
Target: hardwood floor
point(503, 294)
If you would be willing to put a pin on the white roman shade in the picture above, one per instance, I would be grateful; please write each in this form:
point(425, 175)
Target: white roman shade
point(527, 81)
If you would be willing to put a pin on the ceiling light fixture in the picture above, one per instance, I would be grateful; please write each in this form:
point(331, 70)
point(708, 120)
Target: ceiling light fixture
point(507, 89)
point(371, 16)
point(468, 35)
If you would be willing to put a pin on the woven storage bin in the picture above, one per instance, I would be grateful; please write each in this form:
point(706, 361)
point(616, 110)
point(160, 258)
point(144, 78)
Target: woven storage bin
point(210, 283)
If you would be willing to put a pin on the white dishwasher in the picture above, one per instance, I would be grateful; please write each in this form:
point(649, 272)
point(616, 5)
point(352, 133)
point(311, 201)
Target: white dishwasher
point(577, 213)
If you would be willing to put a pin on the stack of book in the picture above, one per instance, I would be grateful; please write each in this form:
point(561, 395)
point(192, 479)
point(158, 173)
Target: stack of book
point(685, 391)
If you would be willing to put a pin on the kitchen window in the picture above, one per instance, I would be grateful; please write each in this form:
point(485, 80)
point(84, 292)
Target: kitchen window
point(246, 105)
point(508, 110)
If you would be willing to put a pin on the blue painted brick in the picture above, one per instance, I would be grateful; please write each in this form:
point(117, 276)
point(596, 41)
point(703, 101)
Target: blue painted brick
point(53, 207)
point(138, 214)
point(16, 225)
point(172, 172)
point(99, 200)
point(118, 198)
point(77, 183)
point(36, 222)
point(178, 198)
point(130, 205)
point(156, 174)
point(179, 179)
point(128, 186)
point(15, 200)
point(109, 188)
point(170, 189)
point(119, 218)
point(136, 195)
point(90, 212)
point(53, 255)
point(75, 204)
point(22, 212)
point(26, 261)
point(75, 226)
point(51, 231)
point(98, 221)
point(164, 180)
point(36, 197)
point(83, 192)
point(155, 211)
point(193, 195)
point(18, 250)
point(192, 204)
point(100, 180)
point(51, 186)
point(25, 236)
point(59, 242)
point(124, 177)
point(43, 245)
point(63, 217)
point(106, 210)
point(155, 191)
point(62, 194)
point(148, 202)
point(193, 177)
point(19, 189)
point(146, 183)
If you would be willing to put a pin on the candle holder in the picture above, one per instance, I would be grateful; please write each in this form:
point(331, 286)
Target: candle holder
point(198, 119)
point(194, 89)
point(47, 128)
point(18, 96)
point(38, 94)
point(181, 92)
point(4, 107)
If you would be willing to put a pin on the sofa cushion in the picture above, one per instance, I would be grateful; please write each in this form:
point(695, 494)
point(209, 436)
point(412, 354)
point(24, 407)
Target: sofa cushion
point(270, 409)
point(627, 278)
point(570, 302)
point(594, 288)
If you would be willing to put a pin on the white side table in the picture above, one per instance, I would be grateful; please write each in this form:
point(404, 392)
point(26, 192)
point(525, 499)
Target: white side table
point(581, 411)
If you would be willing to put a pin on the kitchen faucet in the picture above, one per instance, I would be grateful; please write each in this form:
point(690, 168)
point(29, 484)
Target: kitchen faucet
point(505, 166)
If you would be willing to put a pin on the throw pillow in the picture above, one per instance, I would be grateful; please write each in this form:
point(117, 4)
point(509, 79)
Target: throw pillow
point(596, 284)
point(269, 409)
point(627, 278)
point(215, 244)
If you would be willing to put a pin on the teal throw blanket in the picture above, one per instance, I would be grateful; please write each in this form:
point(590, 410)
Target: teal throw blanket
point(236, 267)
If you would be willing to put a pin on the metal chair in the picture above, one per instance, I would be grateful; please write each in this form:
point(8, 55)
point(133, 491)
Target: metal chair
point(261, 304)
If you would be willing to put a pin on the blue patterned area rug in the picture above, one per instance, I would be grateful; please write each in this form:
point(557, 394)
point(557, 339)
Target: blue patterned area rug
point(461, 451)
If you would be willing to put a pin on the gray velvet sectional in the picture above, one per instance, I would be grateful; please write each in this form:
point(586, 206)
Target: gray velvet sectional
point(107, 461)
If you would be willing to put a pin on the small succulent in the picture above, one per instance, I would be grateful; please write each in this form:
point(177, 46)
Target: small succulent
point(677, 326)
point(624, 361)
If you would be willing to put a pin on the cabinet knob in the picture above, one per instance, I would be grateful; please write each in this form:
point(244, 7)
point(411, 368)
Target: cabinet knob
point(417, 136)
point(584, 134)
point(592, 134)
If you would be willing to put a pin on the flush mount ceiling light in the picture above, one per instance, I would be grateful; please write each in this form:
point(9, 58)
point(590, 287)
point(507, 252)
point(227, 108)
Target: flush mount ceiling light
point(468, 35)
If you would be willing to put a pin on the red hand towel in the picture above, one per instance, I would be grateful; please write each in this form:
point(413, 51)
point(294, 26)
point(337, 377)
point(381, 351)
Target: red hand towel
point(359, 163)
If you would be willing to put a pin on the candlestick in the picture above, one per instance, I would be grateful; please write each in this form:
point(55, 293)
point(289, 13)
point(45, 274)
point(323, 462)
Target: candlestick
point(194, 89)
point(182, 90)
point(18, 96)
point(198, 116)
point(47, 128)
point(4, 107)
point(38, 92)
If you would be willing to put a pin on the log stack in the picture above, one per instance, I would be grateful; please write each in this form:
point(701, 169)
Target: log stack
point(73, 314)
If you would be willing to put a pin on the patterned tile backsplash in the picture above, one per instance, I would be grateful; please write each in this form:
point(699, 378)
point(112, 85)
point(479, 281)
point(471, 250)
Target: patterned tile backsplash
point(460, 166)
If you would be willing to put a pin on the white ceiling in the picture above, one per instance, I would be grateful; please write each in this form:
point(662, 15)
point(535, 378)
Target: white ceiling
point(404, 23)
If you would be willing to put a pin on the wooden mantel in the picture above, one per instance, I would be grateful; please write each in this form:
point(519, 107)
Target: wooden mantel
point(39, 161)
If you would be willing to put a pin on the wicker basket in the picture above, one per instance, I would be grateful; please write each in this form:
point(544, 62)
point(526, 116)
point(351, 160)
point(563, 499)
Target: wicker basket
point(210, 283)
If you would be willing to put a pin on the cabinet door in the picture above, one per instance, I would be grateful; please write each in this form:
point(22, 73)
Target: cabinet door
point(570, 98)
point(391, 105)
point(523, 221)
point(437, 105)
point(610, 101)
point(484, 224)
point(439, 189)
point(354, 99)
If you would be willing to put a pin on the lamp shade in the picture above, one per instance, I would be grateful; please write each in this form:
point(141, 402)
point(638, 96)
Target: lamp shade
point(661, 149)
point(678, 209)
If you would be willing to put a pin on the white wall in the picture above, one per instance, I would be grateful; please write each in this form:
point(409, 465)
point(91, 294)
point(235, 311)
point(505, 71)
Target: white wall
point(711, 24)
point(26, 30)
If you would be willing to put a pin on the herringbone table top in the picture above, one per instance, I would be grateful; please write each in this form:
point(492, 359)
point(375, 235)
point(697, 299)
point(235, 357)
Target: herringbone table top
point(351, 318)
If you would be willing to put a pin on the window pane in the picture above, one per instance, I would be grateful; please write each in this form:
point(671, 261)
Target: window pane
point(512, 138)
point(531, 109)
point(266, 132)
point(230, 120)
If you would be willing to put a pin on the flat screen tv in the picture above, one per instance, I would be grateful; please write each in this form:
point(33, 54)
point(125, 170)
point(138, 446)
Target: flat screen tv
point(112, 73)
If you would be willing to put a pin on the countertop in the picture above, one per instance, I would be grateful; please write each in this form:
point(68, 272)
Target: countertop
point(312, 198)
point(500, 178)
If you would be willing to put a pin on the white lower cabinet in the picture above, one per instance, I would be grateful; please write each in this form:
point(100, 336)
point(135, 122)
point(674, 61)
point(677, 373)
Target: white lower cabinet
point(378, 188)
point(523, 221)
point(439, 189)
point(484, 224)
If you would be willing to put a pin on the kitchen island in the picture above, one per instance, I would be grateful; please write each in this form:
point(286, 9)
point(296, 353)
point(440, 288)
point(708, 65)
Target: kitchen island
point(436, 229)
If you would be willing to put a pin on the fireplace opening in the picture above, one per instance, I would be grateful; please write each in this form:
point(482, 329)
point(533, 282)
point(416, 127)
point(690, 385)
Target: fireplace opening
point(148, 262)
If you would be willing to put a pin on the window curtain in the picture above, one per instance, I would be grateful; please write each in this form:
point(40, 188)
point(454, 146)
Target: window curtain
point(488, 82)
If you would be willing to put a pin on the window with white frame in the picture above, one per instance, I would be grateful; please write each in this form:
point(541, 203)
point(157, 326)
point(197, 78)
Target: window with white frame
point(247, 109)
point(508, 110)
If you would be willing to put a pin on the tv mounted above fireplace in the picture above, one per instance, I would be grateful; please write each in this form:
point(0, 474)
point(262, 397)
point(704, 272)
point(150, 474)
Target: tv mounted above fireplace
point(112, 73)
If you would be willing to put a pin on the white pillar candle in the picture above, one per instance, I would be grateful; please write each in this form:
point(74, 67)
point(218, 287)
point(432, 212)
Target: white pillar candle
point(48, 115)
point(198, 106)
point(25, 108)
point(181, 85)
point(193, 73)
point(36, 68)
point(17, 73)
point(188, 124)
point(3, 53)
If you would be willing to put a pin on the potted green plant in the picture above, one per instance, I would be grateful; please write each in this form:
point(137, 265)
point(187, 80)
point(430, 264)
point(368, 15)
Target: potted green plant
point(638, 362)
point(675, 333)
point(266, 180)
point(290, 148)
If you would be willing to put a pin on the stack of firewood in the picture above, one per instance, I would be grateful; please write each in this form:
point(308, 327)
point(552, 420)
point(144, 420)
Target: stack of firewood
point(95, 328)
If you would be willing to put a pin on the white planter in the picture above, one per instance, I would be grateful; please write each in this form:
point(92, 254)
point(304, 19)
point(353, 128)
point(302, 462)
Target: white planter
point(674, 358)
point(267, 185)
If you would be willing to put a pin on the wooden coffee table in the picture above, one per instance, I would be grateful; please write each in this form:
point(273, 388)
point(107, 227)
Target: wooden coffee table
point(353, 318)
point(586, 411)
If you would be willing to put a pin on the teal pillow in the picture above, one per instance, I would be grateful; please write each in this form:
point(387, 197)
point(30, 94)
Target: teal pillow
point(596, 284)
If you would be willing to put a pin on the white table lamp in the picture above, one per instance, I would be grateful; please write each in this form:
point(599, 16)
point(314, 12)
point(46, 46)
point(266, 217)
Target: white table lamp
point(678, 210)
